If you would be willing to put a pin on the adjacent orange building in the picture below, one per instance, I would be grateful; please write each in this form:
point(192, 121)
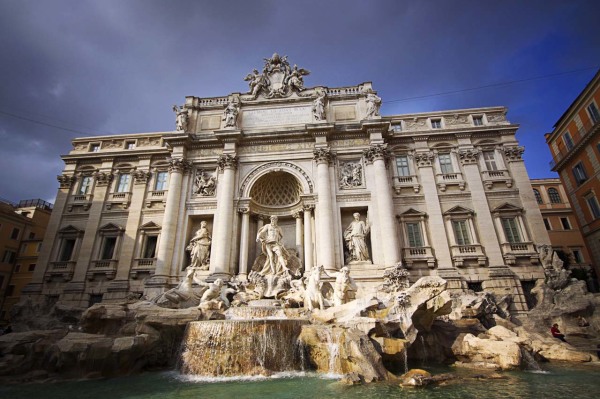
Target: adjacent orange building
point(575, 147)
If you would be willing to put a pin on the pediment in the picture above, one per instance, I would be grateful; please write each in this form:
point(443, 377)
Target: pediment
point(507, 207)
point(458, 210)
point(70, 229)
point(150, 226)
point(413, 213)
point(110, 227)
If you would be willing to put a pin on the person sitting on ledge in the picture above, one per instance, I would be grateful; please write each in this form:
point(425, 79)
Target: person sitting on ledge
point(556, 333)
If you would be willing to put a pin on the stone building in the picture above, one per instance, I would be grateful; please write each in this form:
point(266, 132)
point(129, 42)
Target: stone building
point(446, 193)
point(575, 147)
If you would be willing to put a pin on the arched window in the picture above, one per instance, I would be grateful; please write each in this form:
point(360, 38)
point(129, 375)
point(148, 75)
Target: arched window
point(538, 196)
point(554, 196)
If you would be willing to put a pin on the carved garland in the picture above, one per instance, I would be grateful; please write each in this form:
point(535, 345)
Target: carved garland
point(274, 165)
point(514, 153)
point(180, 165)
point(322, 155)
point(65, 181)
point(103, 178)
point(141, 176)
point(377, 152)
point(424, 159)
point(468, 157)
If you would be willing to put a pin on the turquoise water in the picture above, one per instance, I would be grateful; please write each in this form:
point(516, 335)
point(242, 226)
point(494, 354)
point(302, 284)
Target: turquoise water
point(572, 383)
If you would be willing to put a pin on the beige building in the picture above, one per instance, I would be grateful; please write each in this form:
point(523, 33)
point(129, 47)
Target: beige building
point(446, 193)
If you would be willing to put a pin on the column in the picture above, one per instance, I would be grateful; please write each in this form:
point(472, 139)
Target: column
point(177, 167)
point(220, 257)
point(325, 257)
point(308, 242)
point(439, 242)
point(485, 222)
point(298, 216)
point(376, 155)
point(244, 242)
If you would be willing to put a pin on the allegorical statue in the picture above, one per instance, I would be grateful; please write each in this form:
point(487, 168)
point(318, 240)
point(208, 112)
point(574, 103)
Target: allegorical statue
point(271, 238)
point(231, 113)
point(342, 286)
point(318, 108)
point(373, 104)
point(295, 79)
point(355, 237)
point(181, 118)
point(257, 82)
point(199, 248)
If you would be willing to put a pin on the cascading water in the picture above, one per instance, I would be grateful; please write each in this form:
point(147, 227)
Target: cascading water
point(250, 346)
point(529, 361)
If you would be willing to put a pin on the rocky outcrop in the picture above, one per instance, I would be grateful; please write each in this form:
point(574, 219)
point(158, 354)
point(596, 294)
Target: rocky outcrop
point(487, 353)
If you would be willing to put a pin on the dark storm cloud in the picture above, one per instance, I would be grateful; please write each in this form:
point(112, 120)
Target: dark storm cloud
point(105, 67)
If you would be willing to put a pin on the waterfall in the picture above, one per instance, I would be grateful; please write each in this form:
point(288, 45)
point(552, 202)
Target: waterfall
point(241, 347)
point(424, 351)
point(333, 348)
point(529, 362)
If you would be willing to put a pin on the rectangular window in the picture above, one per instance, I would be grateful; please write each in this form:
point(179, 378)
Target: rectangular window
point(123, 185)
point(445, 163)
point(478, 120)
point(108, 248)
point(489, 157)
point(17, 268)
point(592, 202)
point(577, 256)
point(23, 248)
point(436, 123)
point(568, 140)
point(94, 147)
point(130, 145)
point(565, 223)
point(85, 186)
point(161, 181)
point(547, 224)
point(397, 127)
point(461, 232)
point(413, 232)
point(150, 247)
point(39, 247)
point(579, 173)
point(31, 267)
point(10, 290)
point(31, 236)
point(66, 250)
point(9, 256)
point(511, 230)
point(15, 234)
point(593, 111)
point(402, 165)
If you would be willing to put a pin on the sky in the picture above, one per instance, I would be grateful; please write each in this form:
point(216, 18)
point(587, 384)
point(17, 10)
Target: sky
point(77, 68)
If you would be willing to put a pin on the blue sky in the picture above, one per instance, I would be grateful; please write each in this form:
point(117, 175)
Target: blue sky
point(108, 67)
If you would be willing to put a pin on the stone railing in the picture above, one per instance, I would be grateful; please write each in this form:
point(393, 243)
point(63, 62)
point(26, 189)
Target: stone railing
point(108, 267)
point(213, 102)
point(447, 179)
point(156, 196)
point(343, 91)
point(460, 253)
point(63, 269)
point(118, 198)
point(401, 182)
point(142, 266)
point(490, 177)
point(413, 255)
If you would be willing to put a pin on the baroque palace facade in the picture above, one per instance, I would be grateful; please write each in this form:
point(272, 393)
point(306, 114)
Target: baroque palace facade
point(445, 193)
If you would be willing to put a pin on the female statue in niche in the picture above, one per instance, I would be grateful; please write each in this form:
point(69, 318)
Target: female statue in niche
point(355, 237)
point(199, 248)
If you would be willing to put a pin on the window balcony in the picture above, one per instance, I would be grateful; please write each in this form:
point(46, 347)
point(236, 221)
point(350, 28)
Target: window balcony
point(512, 251)
point(418, 255)
point(142, 266)
point(156, 196)
point(118, 198)
point(62, 269)
point(450, 179)
point(81, 200)
point(580, 137)
point(107, 267)
point(490, 177)
point(411, 182)
point(462, 253)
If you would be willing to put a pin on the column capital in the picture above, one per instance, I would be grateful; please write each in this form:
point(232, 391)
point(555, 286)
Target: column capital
point(297, 214)
point(322, 155)
point(180, 165)
point(103, 178)
point(308, 207)
point(227, 161)
point(141, 176)
point(244, 210)
point(376, 152)
point(65, 181)
point(468, 156)
point(424, 159)
point(514, 153)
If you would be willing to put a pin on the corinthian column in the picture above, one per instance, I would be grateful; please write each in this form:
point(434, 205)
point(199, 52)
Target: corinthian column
point(220, 257)
point(244, 242)
point(376, 155)
point(308, 244)
point(177, 167)
point(322, 157)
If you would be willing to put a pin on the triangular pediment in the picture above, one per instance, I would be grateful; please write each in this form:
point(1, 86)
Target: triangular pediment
point(110, 227)
point(507, 207)
point(458, 210)
point(413, 212)
point(149, 226)
point(70, 229)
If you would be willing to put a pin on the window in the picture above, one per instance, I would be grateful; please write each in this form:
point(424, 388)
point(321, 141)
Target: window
point(31, 236)
point(538, 196)
point(511, 230)
point(490, 160)
point(39, 247)
point(402, 165)
point(15, 234)
point(31, 267)
point(547, 224)
point(94, 299)
point(130, 145)
point(108, 248)
point(461, 232)
point(565, 223)
point(568, 140)
point(161, 181)
point(10, 290)
point(66, 250)
point(592, 202)
point(23, 248)
point(123, 184)
point(150, 247)
point(593, 111)
point(445, 163)
point(415, 237)
point(94, 147)
point(9, 256)
point(17, 268)
point(85, 186)
point(436, 123)
point(577, 256)
point(579, 173)
point(397, 127)
point(554, 195)
point(478, 120)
